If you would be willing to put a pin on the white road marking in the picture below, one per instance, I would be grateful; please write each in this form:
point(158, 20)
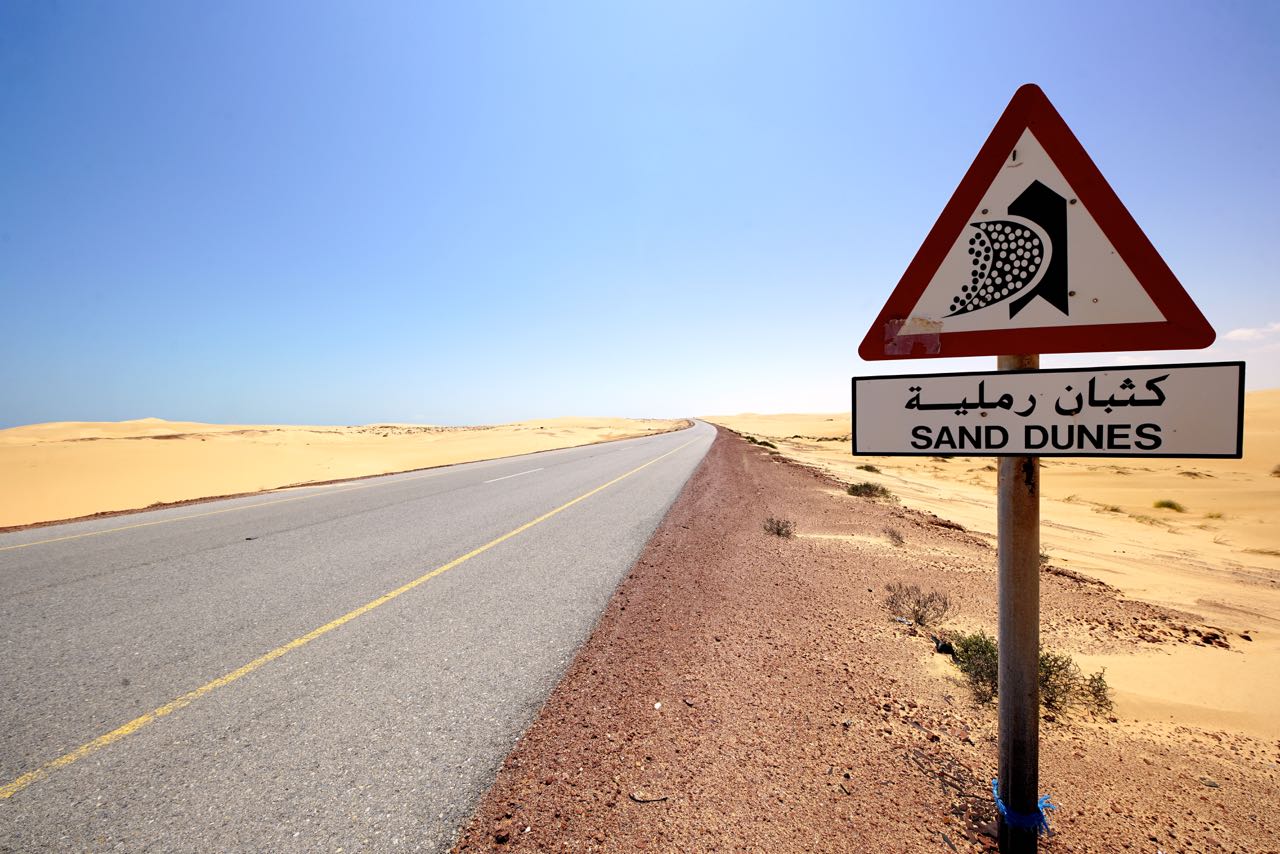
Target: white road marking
point(517, 474)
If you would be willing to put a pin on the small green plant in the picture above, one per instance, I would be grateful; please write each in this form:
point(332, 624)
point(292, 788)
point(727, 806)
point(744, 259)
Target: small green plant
point(867, 489)
point(1062, 685)
point(979, 660)
point(784, 528)
point(894, 536)
point(911, 603)
point(1060, 680)
point(1169, 504)
point(869, 467)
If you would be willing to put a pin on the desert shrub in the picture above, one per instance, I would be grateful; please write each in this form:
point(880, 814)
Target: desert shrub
point(1060, 680)
point(979, 660)
point(1062, 685)
point(869, 467)
point(911, 603)
point(1275, 470)
point(1213, 515)
point(867, 489)
point(780, 527)
point(764, 443)
point(752, 439)
point(1044, 558)
point(1169, 504)
point(894, 536)
point(1098, 692)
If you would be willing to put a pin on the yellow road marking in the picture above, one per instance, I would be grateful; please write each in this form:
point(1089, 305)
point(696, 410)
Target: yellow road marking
point(10, 789)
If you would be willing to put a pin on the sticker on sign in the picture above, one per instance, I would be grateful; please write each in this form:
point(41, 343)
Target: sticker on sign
point(1182, 410)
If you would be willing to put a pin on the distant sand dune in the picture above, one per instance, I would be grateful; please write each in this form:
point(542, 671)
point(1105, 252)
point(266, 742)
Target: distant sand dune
point(71, 469)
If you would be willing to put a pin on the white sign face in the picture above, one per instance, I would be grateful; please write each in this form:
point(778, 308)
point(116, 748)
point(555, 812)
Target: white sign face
point(1032, 256)
point(1138, 411)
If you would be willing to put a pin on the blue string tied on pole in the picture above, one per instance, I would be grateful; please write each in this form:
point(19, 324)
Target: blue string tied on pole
point(1038, 820)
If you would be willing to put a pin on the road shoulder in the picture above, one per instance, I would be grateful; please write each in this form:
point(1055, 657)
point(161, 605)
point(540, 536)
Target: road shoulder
point(746, 691)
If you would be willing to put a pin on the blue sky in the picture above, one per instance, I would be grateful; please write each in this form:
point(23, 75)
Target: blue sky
point(476, 212)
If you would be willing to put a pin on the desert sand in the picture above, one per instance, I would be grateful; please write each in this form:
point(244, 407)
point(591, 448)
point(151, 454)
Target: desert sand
point(1216, 560)
point(67, 470)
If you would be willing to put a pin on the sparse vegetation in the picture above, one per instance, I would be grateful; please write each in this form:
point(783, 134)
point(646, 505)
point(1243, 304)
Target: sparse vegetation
point(1062, 684)
point(894, 536)
point(1275, 471)
point(1169, 504)
point(1060, 680)
point(1112, 508)
point(784, 528)
point(978, 659)
point(1214, 515)
point(911, 603)
point(765, 443)
point(867, 489)
point(1044, 558)
point(1098, 692)
point(869, 467)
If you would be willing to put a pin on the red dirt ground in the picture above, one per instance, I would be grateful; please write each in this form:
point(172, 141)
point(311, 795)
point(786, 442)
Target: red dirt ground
point(746, 692)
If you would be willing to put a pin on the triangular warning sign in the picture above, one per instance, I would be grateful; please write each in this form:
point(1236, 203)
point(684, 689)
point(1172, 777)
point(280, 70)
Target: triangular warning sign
point(1034, 253)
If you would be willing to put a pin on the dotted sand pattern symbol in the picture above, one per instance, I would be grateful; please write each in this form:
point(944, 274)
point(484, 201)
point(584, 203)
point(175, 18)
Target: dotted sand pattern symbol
point(1005, 258)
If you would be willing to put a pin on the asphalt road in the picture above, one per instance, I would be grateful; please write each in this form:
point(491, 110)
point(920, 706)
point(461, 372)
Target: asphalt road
point(202, 679)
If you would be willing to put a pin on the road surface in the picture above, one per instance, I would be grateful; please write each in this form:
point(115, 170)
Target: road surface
point(329, 668)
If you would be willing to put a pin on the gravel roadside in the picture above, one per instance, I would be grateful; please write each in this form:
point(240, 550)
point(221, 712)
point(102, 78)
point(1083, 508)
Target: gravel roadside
point(748, 692)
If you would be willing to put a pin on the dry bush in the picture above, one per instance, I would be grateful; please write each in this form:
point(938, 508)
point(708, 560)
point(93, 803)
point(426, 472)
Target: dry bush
point(911, 603)
point(894, 536)
point(780, 527)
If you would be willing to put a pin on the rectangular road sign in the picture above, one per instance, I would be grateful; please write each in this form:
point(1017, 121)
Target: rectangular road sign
point(1181, 410)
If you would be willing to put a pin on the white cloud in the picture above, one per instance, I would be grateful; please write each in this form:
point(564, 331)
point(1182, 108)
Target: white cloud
point(1255, 333)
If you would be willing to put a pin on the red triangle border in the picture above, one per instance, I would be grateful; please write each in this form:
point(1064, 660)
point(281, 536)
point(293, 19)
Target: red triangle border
point(1184, 326)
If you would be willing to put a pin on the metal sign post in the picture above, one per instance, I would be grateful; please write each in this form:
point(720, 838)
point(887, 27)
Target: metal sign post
point(1018, 517)
point(1035, 253)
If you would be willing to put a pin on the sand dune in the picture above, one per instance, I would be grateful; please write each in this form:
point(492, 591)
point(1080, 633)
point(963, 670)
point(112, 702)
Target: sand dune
point(1217, 558)
point(70, 469)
